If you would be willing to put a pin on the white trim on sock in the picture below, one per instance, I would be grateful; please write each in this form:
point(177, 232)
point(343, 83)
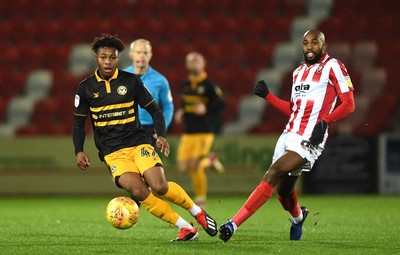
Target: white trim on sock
point(181, 223)
point(234, 226)
point(195, 210)
point(298, 218)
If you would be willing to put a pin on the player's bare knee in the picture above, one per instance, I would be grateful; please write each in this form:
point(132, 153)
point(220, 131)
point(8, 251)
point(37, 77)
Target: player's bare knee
point(273, 175)
point(160, 188)
point(183, 166)
point(139, 194)
point(192, 164)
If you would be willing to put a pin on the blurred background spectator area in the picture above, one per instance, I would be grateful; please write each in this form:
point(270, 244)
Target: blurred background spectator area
point(46, 53)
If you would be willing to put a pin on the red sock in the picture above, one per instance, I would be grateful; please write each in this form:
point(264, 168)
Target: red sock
point(291, 204)
point(256, 199)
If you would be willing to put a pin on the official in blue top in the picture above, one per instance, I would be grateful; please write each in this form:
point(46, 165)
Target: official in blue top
point(141, 53)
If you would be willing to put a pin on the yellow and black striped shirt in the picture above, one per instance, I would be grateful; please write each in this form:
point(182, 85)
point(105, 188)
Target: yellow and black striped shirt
point(113, 108)
point(201, 90)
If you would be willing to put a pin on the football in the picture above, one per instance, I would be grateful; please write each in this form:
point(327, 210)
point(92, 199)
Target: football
point(122, 212)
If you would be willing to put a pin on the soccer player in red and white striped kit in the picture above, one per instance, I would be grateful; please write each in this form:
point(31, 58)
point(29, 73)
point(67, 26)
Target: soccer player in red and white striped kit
point(317, 84)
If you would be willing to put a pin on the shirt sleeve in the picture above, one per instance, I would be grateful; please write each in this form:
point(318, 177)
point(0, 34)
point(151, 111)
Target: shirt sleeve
point(346, 107)
point(80, 115)
point(166, 102)
point(280, 104)
point(344, 87)
point(158, 118)
point(340, 78)
point(143, 95)
point(80, 103)
point(217, 101)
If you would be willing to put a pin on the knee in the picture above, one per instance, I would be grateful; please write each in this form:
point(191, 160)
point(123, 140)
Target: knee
point(183, 166)
point(187, 166)
point(276, 172)
point(140, 194)
point(273, 175)
point(160, 188)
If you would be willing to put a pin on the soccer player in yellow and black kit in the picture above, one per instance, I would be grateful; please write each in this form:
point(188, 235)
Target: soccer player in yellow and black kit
point(111, 98)
point(202, 102)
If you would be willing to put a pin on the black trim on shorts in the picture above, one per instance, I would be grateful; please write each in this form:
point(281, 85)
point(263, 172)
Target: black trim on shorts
point(116, 181)
point(117, 177)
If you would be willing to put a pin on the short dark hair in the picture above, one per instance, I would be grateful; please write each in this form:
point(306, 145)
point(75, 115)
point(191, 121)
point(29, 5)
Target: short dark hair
point(106, 40)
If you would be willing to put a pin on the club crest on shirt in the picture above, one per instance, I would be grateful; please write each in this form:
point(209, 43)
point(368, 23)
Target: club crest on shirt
point(200, 90)
point(121, 90)
point(96, 94)
point(319, 70)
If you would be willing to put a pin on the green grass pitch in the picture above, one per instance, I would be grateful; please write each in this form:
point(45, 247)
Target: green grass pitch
point(340, 224)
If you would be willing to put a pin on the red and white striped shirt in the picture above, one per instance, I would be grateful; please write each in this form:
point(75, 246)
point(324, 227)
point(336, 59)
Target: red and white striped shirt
point(314, 93)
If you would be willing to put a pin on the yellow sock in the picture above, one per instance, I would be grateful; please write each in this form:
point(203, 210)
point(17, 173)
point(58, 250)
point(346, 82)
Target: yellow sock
point(177, 195)
point(160, 209)
point(199, 180)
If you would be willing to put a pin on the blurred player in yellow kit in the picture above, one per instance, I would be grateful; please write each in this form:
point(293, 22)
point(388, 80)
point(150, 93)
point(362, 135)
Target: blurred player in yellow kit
point(201, 103)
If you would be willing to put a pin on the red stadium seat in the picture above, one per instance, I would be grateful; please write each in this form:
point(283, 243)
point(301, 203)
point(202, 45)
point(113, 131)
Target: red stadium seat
point(3, 106)
point(373, 82)
point(379, 115)
point(231, 107)
point(349, 125)
point(340, 50)
point(364, 55)
point(45, 111)
point(15, 83)
point(65, 84)
point(28, 130)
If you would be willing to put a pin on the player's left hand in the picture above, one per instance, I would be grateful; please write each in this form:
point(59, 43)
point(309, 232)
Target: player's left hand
point(82, 160)
point(261, 89)
point(163, 145)
point(318, 133)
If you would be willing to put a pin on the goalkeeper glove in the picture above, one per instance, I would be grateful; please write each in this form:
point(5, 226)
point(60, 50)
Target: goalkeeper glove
point(261, 89)
point(318, 133)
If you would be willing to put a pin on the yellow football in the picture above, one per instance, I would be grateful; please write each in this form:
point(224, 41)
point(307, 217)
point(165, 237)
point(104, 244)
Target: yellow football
point(122, 212)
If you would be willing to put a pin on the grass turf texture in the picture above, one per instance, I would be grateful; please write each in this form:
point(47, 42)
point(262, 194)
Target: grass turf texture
point(336, 225)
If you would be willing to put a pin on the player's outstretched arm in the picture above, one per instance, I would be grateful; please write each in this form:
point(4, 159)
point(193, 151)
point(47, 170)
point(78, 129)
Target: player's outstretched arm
point(261, 90)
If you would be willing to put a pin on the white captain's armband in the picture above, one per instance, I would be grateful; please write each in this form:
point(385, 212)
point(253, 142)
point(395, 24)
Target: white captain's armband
point(77, 99)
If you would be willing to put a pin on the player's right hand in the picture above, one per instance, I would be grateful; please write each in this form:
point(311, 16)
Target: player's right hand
point(82, 160)
point(261, 89)
point(163, 145)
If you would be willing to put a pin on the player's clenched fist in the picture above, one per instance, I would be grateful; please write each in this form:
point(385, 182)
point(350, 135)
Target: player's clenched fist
point(318, 133)
point(261, 89)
